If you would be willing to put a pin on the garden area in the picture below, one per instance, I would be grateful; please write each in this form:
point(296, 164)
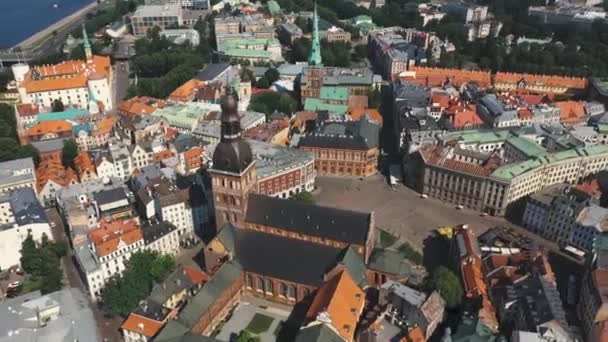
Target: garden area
point(252, 323)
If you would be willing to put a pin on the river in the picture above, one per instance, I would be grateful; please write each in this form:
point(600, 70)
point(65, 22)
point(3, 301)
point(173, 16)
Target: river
point(20, 19)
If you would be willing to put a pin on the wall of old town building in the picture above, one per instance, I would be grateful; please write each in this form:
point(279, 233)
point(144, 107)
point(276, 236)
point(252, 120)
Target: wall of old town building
point(219, 309)
point(252, 287)
point(338, 162)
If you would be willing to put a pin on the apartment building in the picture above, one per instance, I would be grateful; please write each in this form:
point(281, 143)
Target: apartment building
point(18, 173)
point(565, 215)
point(592, 307)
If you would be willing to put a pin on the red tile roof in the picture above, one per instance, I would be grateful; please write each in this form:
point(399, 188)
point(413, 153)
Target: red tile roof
point(53, 170)
point(357, 113)
point(65, 75)
point(545, 80)
point(196, 276)
point(107, 237)
point(571, 112)
point(142, 325)
point(27, 109)
point(435, 77)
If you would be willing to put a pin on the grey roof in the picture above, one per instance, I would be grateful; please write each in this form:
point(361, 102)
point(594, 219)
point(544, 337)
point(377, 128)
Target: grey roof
point(156, 231)
point(413, 297)
point(185, 142)
point(227, 237)
point(227, 274)
point(26, 207)
point(175, 283)
point(293, 260)
point(389, 261)
point(110, 196)
point(146, 174)
point(288, 69)
point(13, 171)
point(50, 145)
point(211, 71)
point(313, 220)
point(19, 320)
point(258, 71)
point(318, 333)
point(358, 135)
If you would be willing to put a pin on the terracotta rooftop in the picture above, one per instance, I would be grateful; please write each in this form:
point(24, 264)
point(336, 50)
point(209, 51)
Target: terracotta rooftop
point(142, 325)
point(65, 75)
point(27, 109)
point(187, 91)
point(47, 127)
point(571, 112)
point(83, 163)
point(342, 300)
point(357, 113)
point(51, 169)
point(110, 233)
point(435, 155)
point(196, 276)
point(438, 76)
point(140, 105)
point(546, 80)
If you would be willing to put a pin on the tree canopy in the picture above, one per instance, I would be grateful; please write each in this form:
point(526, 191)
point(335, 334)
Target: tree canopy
point(41, 261)
point(69, 152)
point(123, 292)
point(304, 197)
point(270, 102)
point(448, 285)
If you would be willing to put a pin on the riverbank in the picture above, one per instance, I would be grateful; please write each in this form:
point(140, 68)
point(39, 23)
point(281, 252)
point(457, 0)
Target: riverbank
point(32, 41)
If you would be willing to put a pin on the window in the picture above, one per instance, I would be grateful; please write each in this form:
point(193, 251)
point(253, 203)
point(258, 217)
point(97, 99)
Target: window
point(305, 292)
point(260, 285)
point(269, 288)
point(282, 290)
point(292, 292)
point(249, 281)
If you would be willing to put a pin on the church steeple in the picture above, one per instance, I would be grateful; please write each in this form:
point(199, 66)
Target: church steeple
point(87, 45)
point(314, 59)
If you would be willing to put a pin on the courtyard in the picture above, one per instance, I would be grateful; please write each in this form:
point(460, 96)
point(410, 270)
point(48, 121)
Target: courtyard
point(260, 319)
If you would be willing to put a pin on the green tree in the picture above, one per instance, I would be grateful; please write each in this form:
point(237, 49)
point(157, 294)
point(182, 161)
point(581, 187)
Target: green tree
point(31, 259)
point(69, 152)
point(272, 75)
point(263, 83)
point(58, 106)
point(42, 261)
point(304, 197)
point(448, 285)
point(123, 292)
point(375, 98)
point(269, 102)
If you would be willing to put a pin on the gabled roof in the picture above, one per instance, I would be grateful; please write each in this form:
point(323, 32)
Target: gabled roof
point(51, 126)
point(332, 223)
point(294, 260)
point(354, 263)
point(342, 301)
point(141, 325)
point(225, 276)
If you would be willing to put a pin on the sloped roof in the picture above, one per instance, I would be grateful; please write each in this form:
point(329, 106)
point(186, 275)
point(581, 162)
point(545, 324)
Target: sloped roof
point(141, 325)
point(342, 300)
point(318, 333)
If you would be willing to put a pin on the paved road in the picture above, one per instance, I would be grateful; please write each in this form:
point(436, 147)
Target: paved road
point(121, 82)
point(108, 327)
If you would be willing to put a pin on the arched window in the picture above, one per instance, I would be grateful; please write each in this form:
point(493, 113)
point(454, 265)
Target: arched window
point(260, 284)
point(283, 290)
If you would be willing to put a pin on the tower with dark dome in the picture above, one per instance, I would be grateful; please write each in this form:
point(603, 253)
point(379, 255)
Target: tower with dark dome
point(233, 174)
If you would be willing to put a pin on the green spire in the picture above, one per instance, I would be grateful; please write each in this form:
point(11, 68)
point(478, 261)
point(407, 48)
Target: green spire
point(86, 44)
point(315, 52)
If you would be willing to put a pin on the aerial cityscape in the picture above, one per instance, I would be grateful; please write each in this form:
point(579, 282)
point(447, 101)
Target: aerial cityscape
point(304, 171)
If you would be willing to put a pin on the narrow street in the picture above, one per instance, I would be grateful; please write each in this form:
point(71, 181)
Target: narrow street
point(108, 327)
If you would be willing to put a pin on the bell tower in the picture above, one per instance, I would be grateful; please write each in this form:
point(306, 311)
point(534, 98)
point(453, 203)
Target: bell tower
point(233, 174)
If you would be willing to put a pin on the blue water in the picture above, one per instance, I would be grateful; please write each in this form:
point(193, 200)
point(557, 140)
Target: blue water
point(19, 19)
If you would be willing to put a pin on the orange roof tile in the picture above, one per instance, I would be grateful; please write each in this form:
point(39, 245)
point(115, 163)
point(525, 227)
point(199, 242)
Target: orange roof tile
point(107, 237)
point(357, 113)
point(106, 124)
point(142, 325)
point(193, 153)
point(52, 126)
point(441, 100)
point(51, 169)
point(570, 112)
point(438, 76)
point(415, 335)
point(472, 278)
point(465, 116)
point(140, 105)
point(164, 154)
point(27, 109)
point(196, 276)
point(83, 163)
point(186, 91)
point(65, 75)
point(545, 80)
point(342, 300)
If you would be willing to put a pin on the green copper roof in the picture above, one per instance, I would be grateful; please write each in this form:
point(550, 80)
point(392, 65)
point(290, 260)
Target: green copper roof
point(602, 128)
point(355, 265)
point(183, 116)
point(313, 104)
point(480, 136)
point(473, 330)
point(526, 146)
point(510, 171)
point(68, 114)
point(389, 261)
point(318, 333)
point(315, 52)
point(86, 43)
point(334, 93)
